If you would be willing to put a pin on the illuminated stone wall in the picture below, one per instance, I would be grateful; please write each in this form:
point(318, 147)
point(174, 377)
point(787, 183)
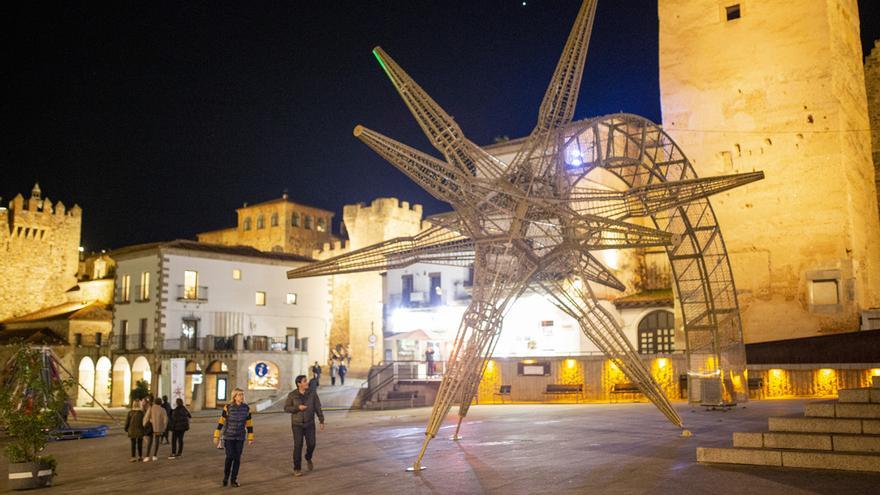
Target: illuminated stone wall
point(357, 298)
point(780, 89)
point(39, 242)
point(872, 88)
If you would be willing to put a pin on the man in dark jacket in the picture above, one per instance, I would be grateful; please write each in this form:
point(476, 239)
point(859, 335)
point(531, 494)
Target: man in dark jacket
point(303, 405)
point(167, 406)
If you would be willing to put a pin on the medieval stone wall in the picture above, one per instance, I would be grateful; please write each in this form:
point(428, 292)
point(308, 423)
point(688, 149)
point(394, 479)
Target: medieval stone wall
point(780, 89)
point(872, 88)
point(357, 298)
point(39, 253)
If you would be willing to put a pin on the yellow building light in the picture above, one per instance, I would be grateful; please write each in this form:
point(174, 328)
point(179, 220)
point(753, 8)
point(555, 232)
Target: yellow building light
point(662, 362)
point(875, 372)
point(529, 361)
point(490, 365)
point(569, 363)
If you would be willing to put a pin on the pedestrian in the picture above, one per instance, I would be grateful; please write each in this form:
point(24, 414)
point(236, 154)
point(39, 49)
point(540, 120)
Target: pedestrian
point(167, 406)
point(429, 359)
point(303, 405)
point(316, 369)
point(343, 369)
point(313, 383)
point(155, 421)
point(237, 426)
point(134, 426)
point(179, 425)
point(334, 368)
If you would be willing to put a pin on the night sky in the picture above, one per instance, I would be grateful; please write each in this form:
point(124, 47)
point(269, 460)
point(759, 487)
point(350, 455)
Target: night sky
point(160, 120)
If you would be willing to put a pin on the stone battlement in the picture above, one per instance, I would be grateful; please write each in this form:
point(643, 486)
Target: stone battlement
point(40, 242)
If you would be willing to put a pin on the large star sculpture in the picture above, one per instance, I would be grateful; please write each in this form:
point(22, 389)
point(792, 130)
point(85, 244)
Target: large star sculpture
point(529, 225)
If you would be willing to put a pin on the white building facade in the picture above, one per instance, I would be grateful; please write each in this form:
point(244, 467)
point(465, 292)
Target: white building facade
point(229, 311)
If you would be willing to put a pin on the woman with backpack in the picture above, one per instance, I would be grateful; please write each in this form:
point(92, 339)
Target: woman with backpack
point(179, 425)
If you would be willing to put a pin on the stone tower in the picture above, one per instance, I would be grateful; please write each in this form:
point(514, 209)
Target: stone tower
point(872, 88)
point(40, 253)
point(779, 86)
point(357, 298)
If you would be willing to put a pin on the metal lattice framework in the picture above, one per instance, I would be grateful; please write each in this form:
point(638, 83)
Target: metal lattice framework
point(531, 225)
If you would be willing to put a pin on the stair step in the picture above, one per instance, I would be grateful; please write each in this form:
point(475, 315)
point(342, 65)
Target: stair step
point(815, 425)
point(808, 441)
point(790, 458)
point(842, 410)
point(861, 395)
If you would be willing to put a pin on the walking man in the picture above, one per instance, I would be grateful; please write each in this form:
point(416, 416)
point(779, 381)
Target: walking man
point(343, 369)
point(303, 405)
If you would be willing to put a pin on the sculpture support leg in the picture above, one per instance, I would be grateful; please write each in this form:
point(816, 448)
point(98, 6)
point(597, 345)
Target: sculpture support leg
point(499, 280)
point(601, 328)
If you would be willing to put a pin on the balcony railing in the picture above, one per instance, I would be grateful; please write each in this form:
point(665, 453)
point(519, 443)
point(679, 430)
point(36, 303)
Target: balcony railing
point(133, 342)
point(184, 344)
point(192, 294)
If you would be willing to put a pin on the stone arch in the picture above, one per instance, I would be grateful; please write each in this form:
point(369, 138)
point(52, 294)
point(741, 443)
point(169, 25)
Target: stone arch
point(640, 153)
point(140, 370)
point(121, 382)
point(85, 376)
point(103, 370)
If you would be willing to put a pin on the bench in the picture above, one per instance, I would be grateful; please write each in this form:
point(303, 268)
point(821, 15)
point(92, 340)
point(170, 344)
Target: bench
point(400, 395)
point(624, 388)
point(503, 391)
point(576, 389)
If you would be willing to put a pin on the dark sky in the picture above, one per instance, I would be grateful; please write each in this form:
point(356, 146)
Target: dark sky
point(161, 119)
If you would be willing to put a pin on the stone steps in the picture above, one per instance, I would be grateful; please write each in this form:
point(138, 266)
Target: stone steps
point(808, 441)
point(859, 395)
point(842, 410)
point(790, 458)
point(841, 435)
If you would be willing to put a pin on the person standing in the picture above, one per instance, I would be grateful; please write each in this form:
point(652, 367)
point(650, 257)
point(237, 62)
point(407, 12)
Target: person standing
point(239, 426)
point(157, 419)
point(167, 406)
point(303, 405)
point(343, 369)
point(334, 368)
point(134, 426)
point(179, 425)
point(316, 370)
point(429, 359)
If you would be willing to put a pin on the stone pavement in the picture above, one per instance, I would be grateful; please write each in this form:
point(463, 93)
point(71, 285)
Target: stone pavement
point(593, 448)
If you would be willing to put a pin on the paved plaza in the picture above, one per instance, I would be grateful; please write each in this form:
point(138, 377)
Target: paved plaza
point(566, 448)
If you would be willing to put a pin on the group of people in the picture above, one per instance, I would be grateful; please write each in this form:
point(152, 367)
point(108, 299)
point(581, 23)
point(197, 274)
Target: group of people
point(338, 369)
point(154, 419)
point(236, 426)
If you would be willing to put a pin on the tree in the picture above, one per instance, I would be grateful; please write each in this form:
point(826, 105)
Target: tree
point(32, 399)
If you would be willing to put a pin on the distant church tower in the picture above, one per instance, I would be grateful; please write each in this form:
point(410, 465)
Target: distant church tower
point(779, 86)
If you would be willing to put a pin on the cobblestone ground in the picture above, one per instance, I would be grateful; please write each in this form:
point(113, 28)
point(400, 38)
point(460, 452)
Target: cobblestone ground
point(593, 448)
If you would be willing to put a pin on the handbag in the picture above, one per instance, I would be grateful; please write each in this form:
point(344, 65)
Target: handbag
point(148, 428)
